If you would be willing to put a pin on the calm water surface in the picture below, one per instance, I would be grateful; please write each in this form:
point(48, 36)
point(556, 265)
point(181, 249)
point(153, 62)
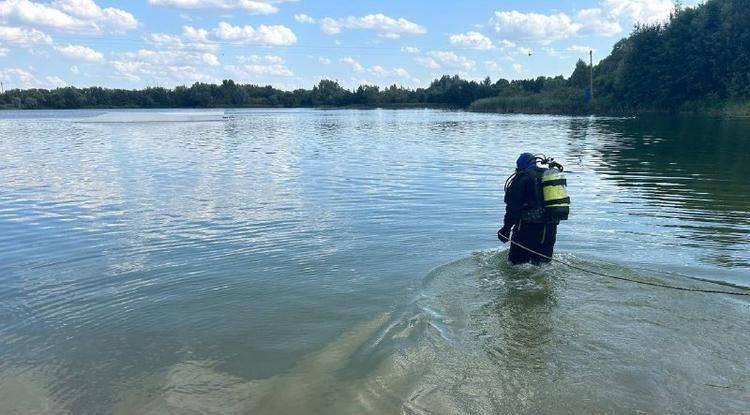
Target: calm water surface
point(301, 261)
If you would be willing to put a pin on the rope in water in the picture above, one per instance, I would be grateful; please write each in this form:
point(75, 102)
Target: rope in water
point(602, 274)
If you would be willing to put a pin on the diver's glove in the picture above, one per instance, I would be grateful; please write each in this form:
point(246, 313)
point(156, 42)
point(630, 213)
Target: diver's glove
point(504, 234)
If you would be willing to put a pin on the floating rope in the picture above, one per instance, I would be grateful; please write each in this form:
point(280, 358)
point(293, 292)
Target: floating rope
point(602, 274)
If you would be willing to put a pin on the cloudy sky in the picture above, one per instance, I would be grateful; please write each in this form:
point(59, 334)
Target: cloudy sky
point(292, 44)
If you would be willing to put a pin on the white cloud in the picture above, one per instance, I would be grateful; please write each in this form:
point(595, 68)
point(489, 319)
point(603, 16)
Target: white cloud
point(401, 73)
point(38, 14)
point(472, 40)
point(20, 78)
point(580, 49)
point(134, 70)
point(162, 74)
point(410, 49)
point(274, 35)
point(385, 26)
point(210, 59)
point(504, 44)
point(23, 37)
point(17, 76)
point(196, 36)
point(643, 11)
point(518, 68)
point(427, 62)
point(171, 57)
point(324, 61)
point(83, 16)
point(303, 18)
point(255, 66)
point(450, 60)
point(513, 25)
point(193, 45)
point(521, 50)
point(3, 51)
point(593, 22)
point(166, 66)
point(437, 59)
point(264, 70)
point(391, 76)
point(74, 69)
point(209, 40)
point(81, 53)
point(108, 18)
point(171, 49)
point(248, 6)
point(165, 41)
point(605, 20)
point(55, 82)
point(356, 66)
point(492, 66)
point(266, 59)
point(533, 26)
point(246, 73)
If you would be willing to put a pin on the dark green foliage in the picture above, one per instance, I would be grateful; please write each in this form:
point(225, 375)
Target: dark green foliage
point(446, 91)
point(699, 61)
point(581, 75)
point(560, 100)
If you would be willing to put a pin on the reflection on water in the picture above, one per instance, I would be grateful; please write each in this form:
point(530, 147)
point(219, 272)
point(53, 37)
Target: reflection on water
point(549, 340)
point(678, 182)
point(229, 266)
point(526, 308)
point(695, 169)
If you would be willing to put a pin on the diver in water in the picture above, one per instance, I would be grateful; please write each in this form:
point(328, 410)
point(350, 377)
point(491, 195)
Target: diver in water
point(536, 201)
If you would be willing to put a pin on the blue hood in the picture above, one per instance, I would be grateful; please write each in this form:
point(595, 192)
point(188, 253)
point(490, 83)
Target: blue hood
point(526, 161)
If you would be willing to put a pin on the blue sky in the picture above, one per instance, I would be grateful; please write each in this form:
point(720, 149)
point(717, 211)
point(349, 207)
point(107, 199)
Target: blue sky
point(292, 44)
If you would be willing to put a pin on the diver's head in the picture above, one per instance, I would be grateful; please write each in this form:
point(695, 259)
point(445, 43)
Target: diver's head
point(526, 161)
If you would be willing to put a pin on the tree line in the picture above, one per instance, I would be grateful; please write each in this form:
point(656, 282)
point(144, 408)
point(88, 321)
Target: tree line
point(449, 91)
point(699, 60)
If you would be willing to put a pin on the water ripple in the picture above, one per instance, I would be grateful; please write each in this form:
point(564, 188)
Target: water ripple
point(126, 249)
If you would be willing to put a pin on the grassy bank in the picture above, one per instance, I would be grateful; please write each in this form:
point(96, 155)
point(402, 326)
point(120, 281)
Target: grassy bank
point(561, 101)
point(562, 104)
point(739, 110)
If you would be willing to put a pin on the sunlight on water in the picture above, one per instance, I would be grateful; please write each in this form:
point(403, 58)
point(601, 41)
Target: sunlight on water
point(132, 117)
point(279, 261)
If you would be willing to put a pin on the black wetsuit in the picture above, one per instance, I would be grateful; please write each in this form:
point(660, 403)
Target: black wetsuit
point(525, 214)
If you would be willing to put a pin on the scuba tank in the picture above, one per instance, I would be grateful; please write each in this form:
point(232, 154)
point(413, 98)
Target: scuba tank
point(553, 202)
point(555, 191)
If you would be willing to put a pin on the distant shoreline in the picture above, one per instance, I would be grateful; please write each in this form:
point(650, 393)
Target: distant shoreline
point(728, 112)
point(324, 107)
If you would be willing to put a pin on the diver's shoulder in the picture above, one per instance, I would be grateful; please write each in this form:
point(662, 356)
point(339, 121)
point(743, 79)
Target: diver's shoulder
point(531, 172)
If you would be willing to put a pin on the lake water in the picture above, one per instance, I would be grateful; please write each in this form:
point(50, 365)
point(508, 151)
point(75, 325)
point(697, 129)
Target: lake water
point(339, 262)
